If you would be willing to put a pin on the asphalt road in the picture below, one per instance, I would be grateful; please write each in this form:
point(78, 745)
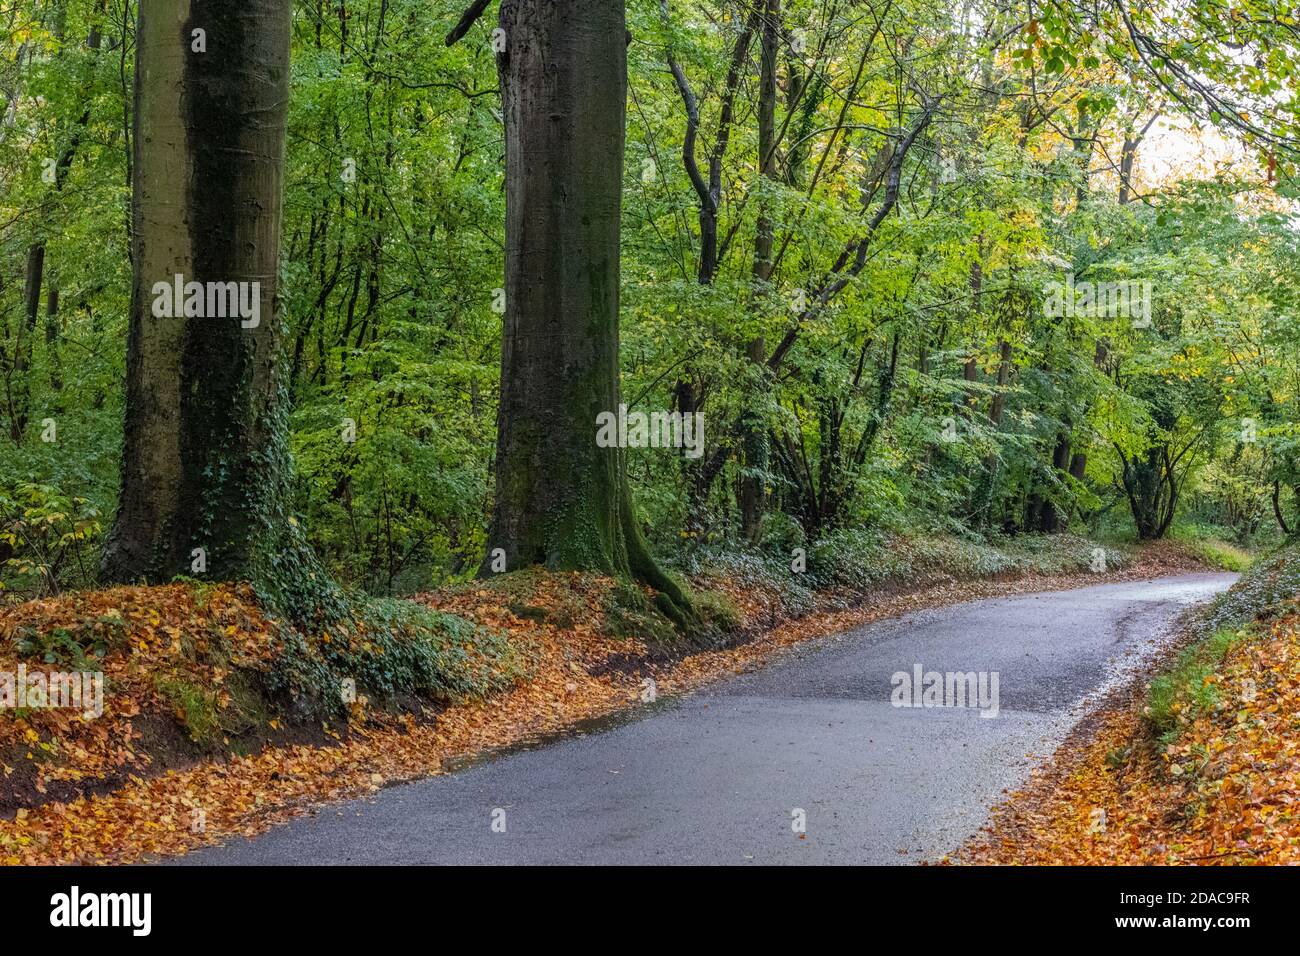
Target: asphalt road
point(720, 776)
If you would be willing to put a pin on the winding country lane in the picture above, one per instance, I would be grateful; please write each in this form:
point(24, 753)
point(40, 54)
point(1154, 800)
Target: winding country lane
point(720, 776)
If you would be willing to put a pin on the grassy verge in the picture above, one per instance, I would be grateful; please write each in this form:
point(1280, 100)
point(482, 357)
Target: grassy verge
point(1187, 691)
point(851, 566)
point(1215, 551)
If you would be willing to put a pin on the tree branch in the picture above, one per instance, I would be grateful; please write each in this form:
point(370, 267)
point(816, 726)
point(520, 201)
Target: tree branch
point(467, 20)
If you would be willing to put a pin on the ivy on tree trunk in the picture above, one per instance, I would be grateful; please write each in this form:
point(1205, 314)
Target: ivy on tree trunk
point(206, 467)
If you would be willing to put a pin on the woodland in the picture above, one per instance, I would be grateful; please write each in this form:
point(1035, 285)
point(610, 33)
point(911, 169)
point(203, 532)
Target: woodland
point(985, 271)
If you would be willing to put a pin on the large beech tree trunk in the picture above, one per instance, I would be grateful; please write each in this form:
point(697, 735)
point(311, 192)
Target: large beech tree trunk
point(561, 500)
point(205, 464)
point(753, 430)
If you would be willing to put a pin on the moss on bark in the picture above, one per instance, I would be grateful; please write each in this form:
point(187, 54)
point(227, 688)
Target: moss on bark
point(562, 501)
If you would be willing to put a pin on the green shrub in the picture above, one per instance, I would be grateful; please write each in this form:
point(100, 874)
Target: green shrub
point(48, 539)
point(397, 648)
point(79, 648)
point(859, 560)
point(1269, 583)
point(765, 571)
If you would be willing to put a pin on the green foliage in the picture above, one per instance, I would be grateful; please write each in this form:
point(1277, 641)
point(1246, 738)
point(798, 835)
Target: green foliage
point(1214, 550)
point(197, 708)
point(64, 648)
point(629, 612)
point(407, 648)
point(860, 561)
point(718, 614)
point(47, 539)
point(1186, 690)
point(396, 649)
point(929, 393)
point(1268, 587)
point(767, 570)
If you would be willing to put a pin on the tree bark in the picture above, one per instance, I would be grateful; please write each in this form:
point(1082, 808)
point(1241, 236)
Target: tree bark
point(999, 401)
point(24, 343)
point(753, 431)
point(709, 193)
point(206, 462)
point(1277, 509)
point(1128, 156)
point(52, 336)
point(561, 500)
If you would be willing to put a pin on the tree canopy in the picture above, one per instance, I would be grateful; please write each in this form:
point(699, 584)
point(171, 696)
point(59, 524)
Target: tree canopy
point(988, 268)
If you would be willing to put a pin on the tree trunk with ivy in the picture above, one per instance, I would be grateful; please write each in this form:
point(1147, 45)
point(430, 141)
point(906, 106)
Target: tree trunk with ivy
point(561, 500)
point(206, 466)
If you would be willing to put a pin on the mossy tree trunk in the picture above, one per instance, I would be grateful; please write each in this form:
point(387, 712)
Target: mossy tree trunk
point(562, 501)
point(206, 464)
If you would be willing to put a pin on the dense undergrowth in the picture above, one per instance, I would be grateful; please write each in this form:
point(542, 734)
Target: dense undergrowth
point(852, 564)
